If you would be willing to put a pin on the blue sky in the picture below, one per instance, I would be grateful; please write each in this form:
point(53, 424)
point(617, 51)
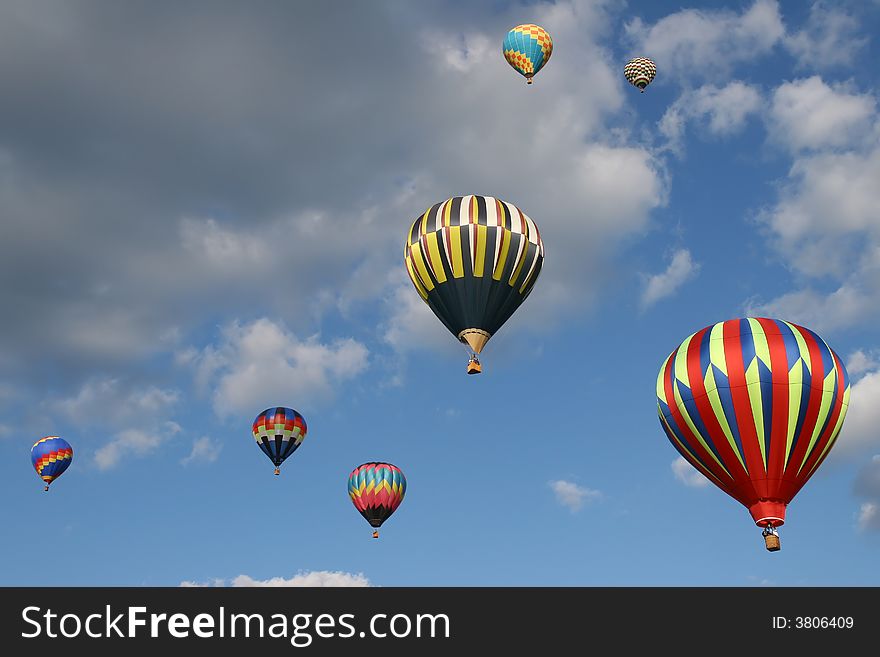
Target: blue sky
point(204, 208)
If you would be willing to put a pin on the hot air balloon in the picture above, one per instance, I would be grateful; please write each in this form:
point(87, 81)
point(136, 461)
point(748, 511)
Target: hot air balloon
point(278, 432)
point(51, 456)
point(755, 405)
point(376, 490)
point(527, 48)
point(640, 71)
point(473, 260)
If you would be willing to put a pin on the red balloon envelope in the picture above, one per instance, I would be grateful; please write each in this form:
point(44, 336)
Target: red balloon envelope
point(754, 404)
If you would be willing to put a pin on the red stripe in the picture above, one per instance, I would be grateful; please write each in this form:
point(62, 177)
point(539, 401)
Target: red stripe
point(742, 408)
point(779, 420)
point(707, 414)
point(826, 435)
point(793, 481)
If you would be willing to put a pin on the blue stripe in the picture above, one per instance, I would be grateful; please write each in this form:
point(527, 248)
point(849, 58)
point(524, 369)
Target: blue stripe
point(727, 407)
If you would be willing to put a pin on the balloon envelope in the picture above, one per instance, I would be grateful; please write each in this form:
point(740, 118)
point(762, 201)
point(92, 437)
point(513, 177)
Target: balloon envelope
point(473, 260)
point(754, 404)
point(376, 490)
point(51, 456)
point(279, 432)
point(527, 48)
point(640, 72)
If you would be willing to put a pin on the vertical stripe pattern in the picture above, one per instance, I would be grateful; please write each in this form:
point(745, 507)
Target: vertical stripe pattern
point(754, 404)
point(473, 260)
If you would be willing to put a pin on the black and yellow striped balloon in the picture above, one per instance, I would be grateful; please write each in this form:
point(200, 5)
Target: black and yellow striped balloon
point(474, 260)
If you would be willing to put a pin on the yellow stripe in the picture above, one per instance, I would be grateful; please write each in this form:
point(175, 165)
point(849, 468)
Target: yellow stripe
point(415, 279)
point(835, 432)
point(757, 408)
point(502, 257)
point(434, 252)
point(522, 260)
point(824, 407)
point(762, 348)
point(422, 268)
point(480, 256)
point(681, 372)
point(661, 381)
point(455, 248)
point(795, 386)
point(716, 348)
point(685, 448)
point(802, 345)
point(424, 229)
point(687, 418)
point(718, 410)
point(447, 213)
point(532, 269)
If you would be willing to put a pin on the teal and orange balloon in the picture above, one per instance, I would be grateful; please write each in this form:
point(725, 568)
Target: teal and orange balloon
point(279, 432)
point(755, 405)
point(376, 490)
point(51, 456)
point(527, 48)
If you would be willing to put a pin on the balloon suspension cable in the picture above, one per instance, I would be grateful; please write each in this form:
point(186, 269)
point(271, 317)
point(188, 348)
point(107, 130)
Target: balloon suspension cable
point(376, 534)
point(277, 471)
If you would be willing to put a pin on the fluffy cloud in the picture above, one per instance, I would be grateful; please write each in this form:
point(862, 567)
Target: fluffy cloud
point(261, 361)
point(204, 450)
point(315, 578)
point(133, 442)
point(572, 496)
point(658, 286)
point(829, 39)
point(859, 432)
point(723, 110)
point(867, 485)
point(810, 114)
point(824, 223)
point(860, 362)
point(699, 44)
point(687, 475)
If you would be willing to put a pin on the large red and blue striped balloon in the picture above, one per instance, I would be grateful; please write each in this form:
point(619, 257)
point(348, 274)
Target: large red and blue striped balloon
point(279, 432)
point(376, 490)
point(51, 456)
point(755, 405)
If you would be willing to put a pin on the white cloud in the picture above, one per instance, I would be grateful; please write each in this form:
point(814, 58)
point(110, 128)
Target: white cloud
point(658, 286)
point(810, 114)
point(859, 431)
point(104, 401)
point(133, 442)
point(204, 450)
point(869, 516)
point(726, 109)
point(315, 578)
point(698, 44)
point(261, 364)
point(828, 40)
point(571, 495)
point(860, 361)
point(687, 475)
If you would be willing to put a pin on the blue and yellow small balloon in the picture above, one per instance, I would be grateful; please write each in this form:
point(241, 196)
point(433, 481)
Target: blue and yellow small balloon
point(527, 48)
point(51, 456)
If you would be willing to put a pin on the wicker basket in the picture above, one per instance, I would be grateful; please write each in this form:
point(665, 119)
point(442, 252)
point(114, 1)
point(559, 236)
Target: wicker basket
point(771, 541)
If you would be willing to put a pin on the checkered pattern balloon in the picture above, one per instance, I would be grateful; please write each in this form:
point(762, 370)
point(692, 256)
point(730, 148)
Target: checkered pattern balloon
point(527, 48)
point(51, 456)
point(640, 71)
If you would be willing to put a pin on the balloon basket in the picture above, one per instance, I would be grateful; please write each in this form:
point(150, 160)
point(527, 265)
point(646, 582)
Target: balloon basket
point(376, 534)
point(46, 488)
point(474, 367)
point(771, 542)
point(277, 471)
